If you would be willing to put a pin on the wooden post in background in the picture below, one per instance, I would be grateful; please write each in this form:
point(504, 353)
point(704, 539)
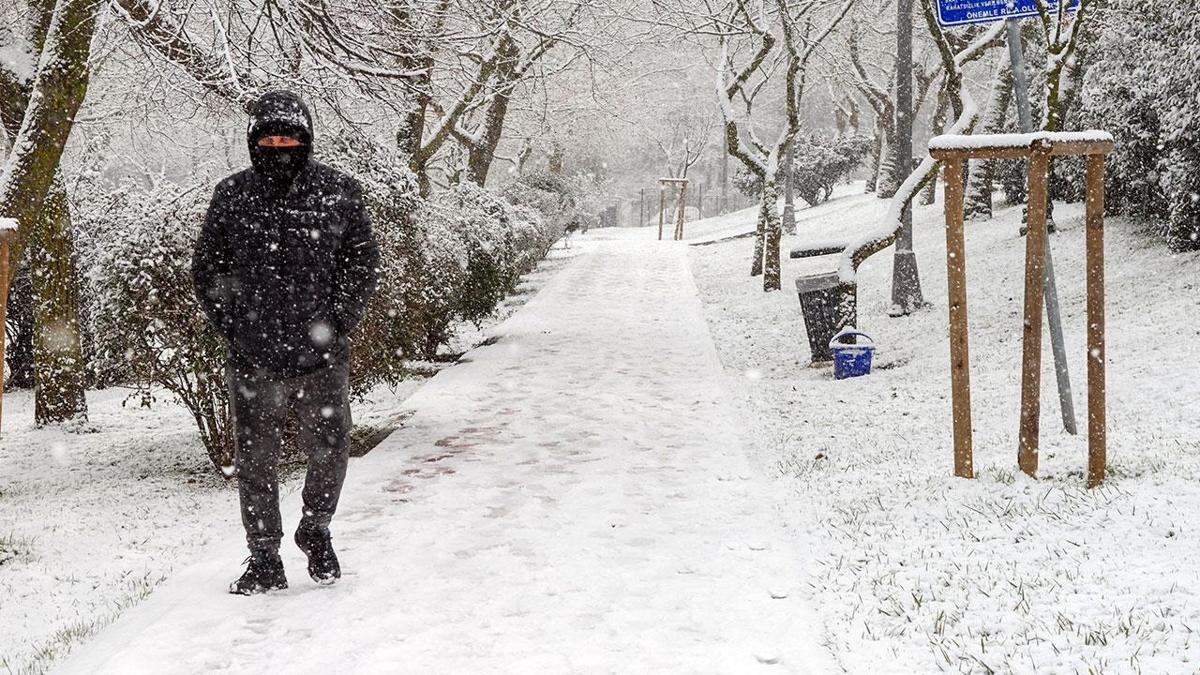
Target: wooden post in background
point(662, 206)
point(1035, 264)
point(681, 211)
point(3, 315)
point(960, 362)
point(1097, 442)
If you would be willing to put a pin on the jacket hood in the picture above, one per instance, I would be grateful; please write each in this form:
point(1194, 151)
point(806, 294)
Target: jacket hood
point(280, 111)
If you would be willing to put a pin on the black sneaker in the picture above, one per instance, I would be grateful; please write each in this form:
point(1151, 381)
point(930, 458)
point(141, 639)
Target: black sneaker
point(323, 564)
point(265, 573)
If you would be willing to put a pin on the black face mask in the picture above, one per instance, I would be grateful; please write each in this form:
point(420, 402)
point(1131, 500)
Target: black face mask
point(279, 164)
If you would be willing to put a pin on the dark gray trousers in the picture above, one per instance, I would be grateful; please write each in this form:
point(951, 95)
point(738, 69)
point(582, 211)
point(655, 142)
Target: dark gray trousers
point(260, 405)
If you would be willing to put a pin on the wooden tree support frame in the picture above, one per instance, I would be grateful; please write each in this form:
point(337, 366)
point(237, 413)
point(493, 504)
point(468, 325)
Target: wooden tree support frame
point(680, 206)
point(1038, 149)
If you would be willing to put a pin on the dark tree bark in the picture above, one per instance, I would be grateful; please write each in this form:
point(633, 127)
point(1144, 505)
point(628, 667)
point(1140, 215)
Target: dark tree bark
point(58, 359)
point(19, 333)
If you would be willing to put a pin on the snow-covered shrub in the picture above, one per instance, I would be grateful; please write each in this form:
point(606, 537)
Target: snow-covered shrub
point(1143, 87)
point(146, 326)
point(449, 258)
point(480, 244)
point(476, 220)
point(560, 200)
point(817, 166)
point(500, 242)
point(392, 328)
point(1013, 178)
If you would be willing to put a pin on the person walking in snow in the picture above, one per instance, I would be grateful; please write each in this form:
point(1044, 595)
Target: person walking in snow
point(283, 267)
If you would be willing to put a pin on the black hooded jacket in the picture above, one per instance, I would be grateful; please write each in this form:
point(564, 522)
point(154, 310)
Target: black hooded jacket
point(286, 261)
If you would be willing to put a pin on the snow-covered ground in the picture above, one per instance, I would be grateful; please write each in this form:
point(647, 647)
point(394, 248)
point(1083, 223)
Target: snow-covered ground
point(576, 497)
point(91, 522)
point(914, 571)
point(573, 497)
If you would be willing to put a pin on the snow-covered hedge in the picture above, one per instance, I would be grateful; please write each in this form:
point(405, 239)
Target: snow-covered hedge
point(1143, 86)
point(565, 203)
point(447, 259)
point(145, 325)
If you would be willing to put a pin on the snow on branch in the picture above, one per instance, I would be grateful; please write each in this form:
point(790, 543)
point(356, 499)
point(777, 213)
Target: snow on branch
point(889, 227)
point(988, 39)
point(159, 30)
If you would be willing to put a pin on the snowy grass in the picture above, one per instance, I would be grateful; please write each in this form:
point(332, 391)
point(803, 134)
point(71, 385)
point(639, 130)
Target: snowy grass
point(60, 642)
point(913, 570)
point(92, 519)
point(14, 549)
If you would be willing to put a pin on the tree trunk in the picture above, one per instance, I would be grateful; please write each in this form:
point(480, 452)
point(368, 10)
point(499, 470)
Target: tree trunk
point(480, 155)
point(766, 207)
point(772, 235)
point(524, 155)
point(29, 193)
point(411, 133)
point(876, 159)
point(59, 89)
point(789, 191)
point(929, 194)
point(556, 160)
point(58, 359)
point(889, 178)
point(723, 207)
point(978, 204)
point(19, 354)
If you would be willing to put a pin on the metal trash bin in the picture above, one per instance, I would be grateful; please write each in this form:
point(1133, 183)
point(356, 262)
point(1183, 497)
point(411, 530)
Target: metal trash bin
point(820, 295)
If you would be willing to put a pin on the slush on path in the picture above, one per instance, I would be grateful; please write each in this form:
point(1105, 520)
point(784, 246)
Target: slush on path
point(572, 498)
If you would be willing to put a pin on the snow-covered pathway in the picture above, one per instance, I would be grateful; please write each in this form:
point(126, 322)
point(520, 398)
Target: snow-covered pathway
point(573, 498)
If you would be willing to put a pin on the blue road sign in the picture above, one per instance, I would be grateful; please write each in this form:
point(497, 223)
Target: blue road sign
point(963, 12)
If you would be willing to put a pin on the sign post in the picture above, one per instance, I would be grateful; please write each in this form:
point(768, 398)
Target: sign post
point(963, 12)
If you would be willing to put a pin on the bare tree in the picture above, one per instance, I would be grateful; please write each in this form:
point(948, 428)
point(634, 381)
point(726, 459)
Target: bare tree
point(761, 159)
point(966, 114)
point(531, 31)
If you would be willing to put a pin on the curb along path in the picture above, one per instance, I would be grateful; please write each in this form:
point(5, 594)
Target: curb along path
point(572, 498)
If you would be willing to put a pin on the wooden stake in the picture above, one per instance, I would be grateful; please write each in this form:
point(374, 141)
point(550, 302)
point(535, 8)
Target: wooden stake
point(1035, 263)
point(662, 206)
point(681, 211)
point(960, 363)
point(1097, 441)
point(3, 318)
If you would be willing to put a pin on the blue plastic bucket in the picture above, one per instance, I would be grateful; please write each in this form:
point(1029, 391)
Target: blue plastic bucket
point(851, 360)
